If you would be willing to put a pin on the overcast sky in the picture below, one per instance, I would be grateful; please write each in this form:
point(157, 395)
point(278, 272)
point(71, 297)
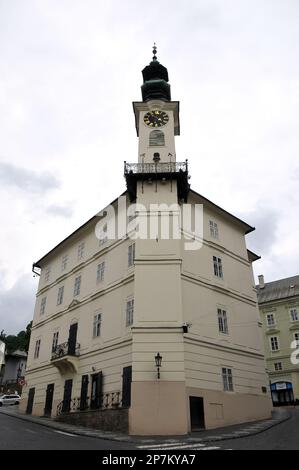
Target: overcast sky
point(69, 71)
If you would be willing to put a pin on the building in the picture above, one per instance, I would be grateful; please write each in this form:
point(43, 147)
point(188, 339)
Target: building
point(14, 369)
point(150, 335)
point(279, 311)
point(2, 358)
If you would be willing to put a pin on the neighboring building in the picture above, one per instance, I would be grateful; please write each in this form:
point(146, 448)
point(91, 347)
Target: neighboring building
point(2, 359)
point(14, 369)
point(279, 311)
point(106, 307)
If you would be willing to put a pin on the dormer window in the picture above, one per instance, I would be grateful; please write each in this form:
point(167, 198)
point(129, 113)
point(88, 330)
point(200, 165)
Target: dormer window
point(156, 139)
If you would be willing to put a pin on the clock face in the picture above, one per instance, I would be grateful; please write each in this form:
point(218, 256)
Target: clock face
point(156, 118)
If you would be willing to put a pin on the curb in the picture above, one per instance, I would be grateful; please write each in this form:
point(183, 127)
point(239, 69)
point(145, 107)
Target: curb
point(138, 440)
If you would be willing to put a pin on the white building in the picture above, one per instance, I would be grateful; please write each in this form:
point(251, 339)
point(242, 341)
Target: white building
point(106, 308)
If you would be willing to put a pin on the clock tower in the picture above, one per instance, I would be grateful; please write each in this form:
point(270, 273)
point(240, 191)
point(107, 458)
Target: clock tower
point(158, 181)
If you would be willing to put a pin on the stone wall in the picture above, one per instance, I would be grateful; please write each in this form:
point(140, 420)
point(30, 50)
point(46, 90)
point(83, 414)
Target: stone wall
point(106, 420)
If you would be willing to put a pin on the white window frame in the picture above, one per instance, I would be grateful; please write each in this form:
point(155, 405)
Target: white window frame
point(294, 313)
point(222, 321)
point(77, 285)
point(100, 272)
point(104, 236)
point(97, 325)
point(37, 348)
point(273, 319)
point(214, 231)
point(43, 306)
point(60, 295)
point(218, 267)
point(129, 312)
point(55, 340)
point(277, 366)
point(227, 379)
point(274, 342)
point(47, 273)
point(131, 255)
point(64, 262)
point(81, 250)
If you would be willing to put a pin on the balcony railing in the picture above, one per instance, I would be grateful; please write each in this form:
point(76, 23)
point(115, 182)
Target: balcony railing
point(162, 167)
point(106, 401)
point(65, 349)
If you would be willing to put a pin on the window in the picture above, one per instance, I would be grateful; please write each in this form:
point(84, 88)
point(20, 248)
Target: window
point(214, 229)
point(274, 343)
point(131, 254)
point(296, 337)
point(47, 273)
point(277, 365)
point(156, 138)
point(270, 319)
point(64, 262)
point(81, 248)
point(222, 321)
point(77, 286)
point(100, 271)
point(55, 340)
point(217, 267)
point(103, 236)
point(37, 348)
point(129, 312)
point(60, 295)
point(43, 306)
point(294, 314)
point(97, 319)
point(227, 377)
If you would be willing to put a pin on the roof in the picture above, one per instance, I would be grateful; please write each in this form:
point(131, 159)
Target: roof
point(247, 228)
point(277, 290)
point(18, 353)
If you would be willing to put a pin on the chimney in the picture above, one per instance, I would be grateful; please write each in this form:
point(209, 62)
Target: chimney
point(261, 281)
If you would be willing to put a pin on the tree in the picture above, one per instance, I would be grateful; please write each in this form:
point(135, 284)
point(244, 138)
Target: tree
point(19, 341)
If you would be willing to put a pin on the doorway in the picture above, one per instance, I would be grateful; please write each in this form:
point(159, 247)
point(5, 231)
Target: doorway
point(49, 400)
point(67, 396)
point(72, 341)
point(30, 401)
point(96, 391)
point(197, 413)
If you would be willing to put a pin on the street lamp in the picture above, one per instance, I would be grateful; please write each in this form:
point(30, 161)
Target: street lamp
point(158, 360)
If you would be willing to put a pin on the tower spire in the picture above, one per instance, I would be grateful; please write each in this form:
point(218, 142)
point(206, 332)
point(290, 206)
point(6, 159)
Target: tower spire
point(154, 51)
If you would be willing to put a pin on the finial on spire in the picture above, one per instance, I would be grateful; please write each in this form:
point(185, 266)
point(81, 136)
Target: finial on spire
point(155, 51)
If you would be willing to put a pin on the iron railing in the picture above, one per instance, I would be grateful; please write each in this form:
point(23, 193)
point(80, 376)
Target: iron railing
point(65, 349)
point(163, 167)
point(110, 400)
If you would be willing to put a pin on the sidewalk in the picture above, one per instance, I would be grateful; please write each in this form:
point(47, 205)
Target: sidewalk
point(279, 415)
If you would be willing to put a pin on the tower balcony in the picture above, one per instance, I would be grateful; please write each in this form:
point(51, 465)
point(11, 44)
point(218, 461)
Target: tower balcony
point(157, 171)
point(65, 357)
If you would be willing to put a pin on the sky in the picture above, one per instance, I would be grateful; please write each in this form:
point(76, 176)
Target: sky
point(69, 71)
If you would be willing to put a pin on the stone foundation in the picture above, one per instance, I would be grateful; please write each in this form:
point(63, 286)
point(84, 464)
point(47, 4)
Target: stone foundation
point(106, 420)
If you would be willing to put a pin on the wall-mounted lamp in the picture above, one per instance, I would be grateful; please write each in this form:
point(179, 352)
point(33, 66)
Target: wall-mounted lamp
point(158, 360)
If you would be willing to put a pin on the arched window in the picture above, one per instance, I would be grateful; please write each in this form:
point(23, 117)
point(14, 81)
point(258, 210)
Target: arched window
point(156, 138)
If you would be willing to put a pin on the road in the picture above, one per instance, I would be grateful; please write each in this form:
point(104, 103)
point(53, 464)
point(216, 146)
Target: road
point(17, 434)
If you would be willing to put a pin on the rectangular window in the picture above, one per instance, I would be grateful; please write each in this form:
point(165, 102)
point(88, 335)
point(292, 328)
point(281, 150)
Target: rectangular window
point(77, 286)
point(214, 229)
point(131, 254)
point(64, 261)
point(227, 377)
point(270, 319)
point(274, 343)
point(55, 340)
point(43, 306)
point(37, 348)
point(81, 248)
point(129, 312)
point(100, 272)
point(277, 365)
point(222, 321)
point(97, 319)
point(60, 295)
point(217, 267)
point(294, 314)
point(296, 337)
point(47, 273)
point(103, 235)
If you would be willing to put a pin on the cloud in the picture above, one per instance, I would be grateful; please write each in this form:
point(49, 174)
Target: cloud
point(17, 305)
point(60, 211)
point(26, 180)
